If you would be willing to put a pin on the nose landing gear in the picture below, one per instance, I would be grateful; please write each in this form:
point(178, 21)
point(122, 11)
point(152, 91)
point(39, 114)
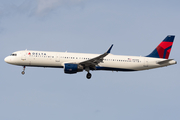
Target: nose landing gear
point(23, 72)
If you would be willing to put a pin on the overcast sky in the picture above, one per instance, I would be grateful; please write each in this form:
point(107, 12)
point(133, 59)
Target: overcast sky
point(89, 26)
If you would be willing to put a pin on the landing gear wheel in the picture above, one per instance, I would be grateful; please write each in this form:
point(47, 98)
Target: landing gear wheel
point(88, 75)
point(22, 72)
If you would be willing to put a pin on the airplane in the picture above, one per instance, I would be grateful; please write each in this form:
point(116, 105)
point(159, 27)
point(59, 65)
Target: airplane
point(78, 62)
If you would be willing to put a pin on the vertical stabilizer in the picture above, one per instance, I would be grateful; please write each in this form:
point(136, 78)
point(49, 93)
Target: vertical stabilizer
point(164, 48)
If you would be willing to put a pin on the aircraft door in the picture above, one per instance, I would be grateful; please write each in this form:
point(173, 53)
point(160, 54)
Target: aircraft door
point(57, 57)
point(146, 62)
point(23, 55)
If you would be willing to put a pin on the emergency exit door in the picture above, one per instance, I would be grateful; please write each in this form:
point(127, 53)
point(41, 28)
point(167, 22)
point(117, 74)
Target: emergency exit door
point(57, 57)
point(23, 56)
point(146, 62)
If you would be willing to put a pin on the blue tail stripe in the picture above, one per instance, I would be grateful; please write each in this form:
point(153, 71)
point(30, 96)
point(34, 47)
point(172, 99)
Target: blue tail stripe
point(154, 54)
point(169, 38)
point(165, 51)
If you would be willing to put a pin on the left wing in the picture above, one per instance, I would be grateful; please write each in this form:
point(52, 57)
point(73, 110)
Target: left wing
point(91, 63)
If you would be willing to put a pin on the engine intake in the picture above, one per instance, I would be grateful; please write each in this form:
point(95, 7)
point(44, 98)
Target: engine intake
point(71, 68)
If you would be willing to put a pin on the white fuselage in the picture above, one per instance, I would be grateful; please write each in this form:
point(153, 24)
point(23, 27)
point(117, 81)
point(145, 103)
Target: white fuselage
point(110, 62)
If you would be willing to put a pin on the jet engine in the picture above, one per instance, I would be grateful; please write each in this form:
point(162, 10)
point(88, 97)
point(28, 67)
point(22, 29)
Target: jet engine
point(71, 68)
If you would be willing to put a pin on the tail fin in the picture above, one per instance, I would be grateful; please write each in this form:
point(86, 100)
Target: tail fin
point(164, 48)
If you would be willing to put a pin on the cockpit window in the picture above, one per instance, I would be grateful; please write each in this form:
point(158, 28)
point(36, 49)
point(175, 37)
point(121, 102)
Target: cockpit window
point(13, 54)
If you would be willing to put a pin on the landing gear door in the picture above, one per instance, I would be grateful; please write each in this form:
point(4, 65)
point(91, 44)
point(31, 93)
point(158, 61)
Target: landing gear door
point(23, 55)
point(146, 62)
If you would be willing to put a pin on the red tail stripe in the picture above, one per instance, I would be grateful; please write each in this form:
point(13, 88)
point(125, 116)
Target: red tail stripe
point(160, 51)
point(165, 44)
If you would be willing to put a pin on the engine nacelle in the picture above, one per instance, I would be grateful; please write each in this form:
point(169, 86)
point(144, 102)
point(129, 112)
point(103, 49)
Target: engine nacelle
point(71, 68)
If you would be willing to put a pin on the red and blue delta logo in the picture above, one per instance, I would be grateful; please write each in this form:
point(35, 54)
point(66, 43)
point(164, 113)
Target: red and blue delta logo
point(164, 49)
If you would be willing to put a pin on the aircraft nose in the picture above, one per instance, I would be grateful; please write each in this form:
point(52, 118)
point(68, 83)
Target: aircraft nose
point(7, 60)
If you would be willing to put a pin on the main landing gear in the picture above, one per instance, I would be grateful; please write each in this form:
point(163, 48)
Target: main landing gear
point(88, 75)
point(23, 72)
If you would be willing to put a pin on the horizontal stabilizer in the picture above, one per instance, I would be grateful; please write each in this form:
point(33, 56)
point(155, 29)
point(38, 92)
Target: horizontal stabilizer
point(165, 61)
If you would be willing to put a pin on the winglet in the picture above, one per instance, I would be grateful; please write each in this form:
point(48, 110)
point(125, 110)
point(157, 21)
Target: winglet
point(109, 50)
